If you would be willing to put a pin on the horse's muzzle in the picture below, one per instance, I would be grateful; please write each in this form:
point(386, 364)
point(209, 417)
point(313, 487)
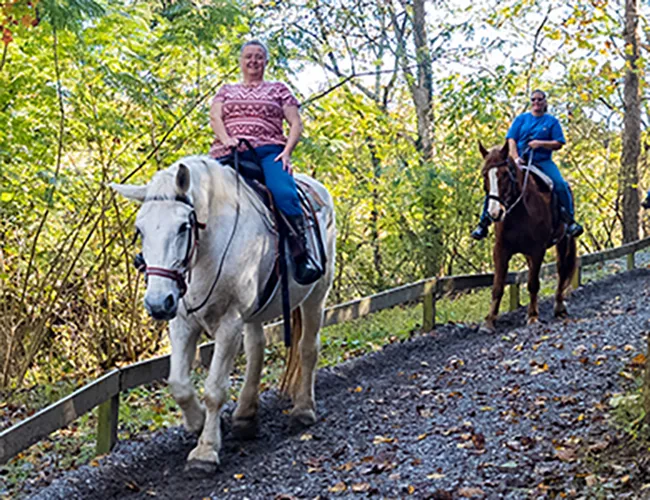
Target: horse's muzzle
point(499, 217)
point(162, 310)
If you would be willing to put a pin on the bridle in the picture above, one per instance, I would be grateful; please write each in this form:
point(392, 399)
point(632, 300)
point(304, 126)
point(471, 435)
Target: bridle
point(513, 182)
point(177, 275)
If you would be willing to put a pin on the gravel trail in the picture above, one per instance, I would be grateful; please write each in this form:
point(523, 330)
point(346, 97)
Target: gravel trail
point(458, 413)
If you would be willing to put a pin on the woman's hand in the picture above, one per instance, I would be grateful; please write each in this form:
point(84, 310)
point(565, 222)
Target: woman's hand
point(231, 142)
point(285, 158)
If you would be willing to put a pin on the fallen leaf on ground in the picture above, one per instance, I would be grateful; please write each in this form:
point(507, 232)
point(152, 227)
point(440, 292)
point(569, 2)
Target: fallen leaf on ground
point(566, 454)
point(383, 439)
point(539, 369)
point(361, 487)
point(338, 487)
point(440, 495)
point(638, 360)
point(599, 446)
point(470, 492)
point(306, 437)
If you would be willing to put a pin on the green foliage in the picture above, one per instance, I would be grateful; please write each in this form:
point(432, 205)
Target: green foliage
point(127, 93)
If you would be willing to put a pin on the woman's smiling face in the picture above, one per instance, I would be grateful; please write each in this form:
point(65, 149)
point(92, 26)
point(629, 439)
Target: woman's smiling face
point(253, 62)
point(538, 102)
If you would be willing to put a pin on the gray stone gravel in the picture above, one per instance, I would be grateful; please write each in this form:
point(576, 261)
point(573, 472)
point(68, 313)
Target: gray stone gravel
point(427, 418)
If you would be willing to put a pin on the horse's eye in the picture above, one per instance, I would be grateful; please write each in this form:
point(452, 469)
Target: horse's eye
point(183, 228)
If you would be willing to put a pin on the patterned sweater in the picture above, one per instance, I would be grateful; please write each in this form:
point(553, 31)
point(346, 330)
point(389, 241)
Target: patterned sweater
point(254, 113)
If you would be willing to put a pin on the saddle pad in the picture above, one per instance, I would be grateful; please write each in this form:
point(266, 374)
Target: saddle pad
point(540, 175)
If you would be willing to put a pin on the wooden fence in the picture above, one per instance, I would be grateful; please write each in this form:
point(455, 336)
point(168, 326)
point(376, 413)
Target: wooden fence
point(105, 391)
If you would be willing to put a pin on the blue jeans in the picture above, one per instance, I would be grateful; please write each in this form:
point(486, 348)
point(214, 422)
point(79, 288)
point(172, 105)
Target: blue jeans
point(560, 188)
point(281, 184)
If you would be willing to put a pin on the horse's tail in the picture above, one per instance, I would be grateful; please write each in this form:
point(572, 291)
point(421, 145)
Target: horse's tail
point(566, 261)
point(291, 376)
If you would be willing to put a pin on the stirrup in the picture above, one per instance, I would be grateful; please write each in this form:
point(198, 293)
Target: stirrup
point(480, 232)
point(574, 229)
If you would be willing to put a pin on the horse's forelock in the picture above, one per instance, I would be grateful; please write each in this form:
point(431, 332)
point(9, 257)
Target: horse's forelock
point(492, 159)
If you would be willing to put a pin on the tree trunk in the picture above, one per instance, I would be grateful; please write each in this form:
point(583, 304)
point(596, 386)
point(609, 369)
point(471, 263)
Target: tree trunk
point(423, 90)
point(629, 178)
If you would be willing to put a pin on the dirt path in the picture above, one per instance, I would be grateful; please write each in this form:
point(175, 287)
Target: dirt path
point(516, 414)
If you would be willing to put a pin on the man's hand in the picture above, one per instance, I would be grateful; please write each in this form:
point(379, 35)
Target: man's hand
point(536, 144)
point(285, 158)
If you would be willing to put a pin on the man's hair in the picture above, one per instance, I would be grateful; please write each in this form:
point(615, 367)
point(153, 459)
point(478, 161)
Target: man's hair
point(256, 43)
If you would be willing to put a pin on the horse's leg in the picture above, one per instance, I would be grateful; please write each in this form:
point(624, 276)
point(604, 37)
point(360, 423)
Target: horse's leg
point(534, 265)
point(566, 266)
point(304, 406)
point(205, 457)
point(183, 340)
point(244, 422)
point(501, 259)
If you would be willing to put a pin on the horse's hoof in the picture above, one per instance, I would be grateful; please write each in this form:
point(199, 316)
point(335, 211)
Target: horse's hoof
point(245, 428)
point(303, 417)
point(487, 328)
point(201, 468)
point(561, 313)
point(533, 320)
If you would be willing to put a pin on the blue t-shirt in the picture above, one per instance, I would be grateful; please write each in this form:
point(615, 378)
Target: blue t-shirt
point(528, 127)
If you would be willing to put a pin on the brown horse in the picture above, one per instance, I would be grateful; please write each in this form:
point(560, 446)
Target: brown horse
point(520, 206)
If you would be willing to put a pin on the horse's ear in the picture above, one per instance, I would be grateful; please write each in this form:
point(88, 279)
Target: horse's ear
point(504, 150)
point(483, 151)
point(182, 179)
point(130, 191)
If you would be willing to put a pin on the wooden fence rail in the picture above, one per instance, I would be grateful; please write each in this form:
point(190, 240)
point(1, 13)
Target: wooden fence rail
point(105, 391)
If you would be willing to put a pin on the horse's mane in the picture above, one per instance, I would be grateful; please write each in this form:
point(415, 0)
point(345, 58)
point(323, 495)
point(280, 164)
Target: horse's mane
point(209, 179)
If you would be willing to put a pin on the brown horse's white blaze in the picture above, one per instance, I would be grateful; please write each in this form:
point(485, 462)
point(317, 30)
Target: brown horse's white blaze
point(237, 240)
point(495, 209)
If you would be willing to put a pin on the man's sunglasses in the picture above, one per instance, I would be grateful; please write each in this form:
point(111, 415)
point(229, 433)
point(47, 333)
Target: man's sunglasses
point(537, 99)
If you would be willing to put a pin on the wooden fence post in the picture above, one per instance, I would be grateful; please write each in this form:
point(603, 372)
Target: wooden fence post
point(107, 417)
point(630, 261)
point(514, 297)
point(575, 280)
point(429, 311)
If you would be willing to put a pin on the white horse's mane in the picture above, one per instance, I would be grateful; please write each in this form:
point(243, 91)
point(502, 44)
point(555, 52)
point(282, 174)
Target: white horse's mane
point(209, 178)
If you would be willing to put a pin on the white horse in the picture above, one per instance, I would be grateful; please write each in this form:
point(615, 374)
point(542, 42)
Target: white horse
point(228, 271)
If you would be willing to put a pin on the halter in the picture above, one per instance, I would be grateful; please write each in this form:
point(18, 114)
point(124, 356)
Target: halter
point(513, 181)
point(192, 244)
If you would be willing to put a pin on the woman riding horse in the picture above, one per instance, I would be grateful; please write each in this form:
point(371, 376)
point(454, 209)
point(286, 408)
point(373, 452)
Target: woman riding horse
point(254, 110)
point(537, 133)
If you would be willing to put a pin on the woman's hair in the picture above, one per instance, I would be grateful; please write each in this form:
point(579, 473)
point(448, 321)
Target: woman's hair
point(537, 91)
point(256, 43)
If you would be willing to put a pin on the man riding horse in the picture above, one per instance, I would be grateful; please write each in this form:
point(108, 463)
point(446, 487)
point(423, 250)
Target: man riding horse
point(538, 134)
